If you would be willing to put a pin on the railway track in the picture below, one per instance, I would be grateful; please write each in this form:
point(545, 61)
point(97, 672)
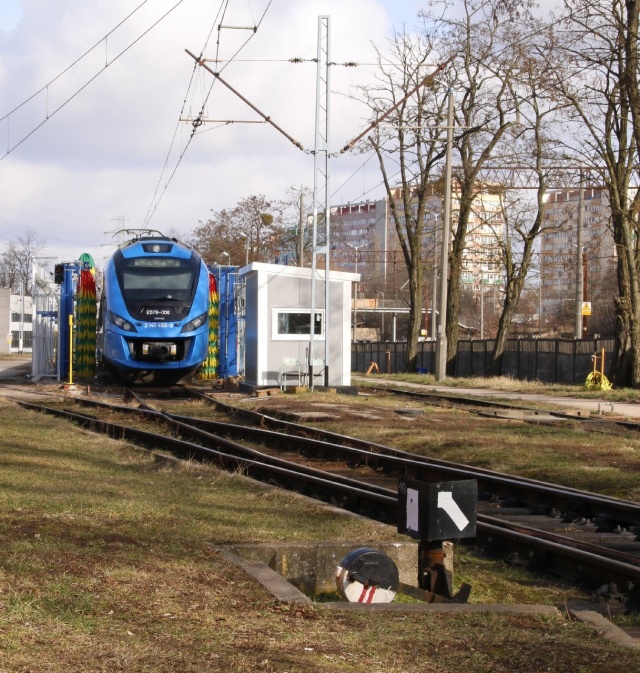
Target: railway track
point(495, 408)
point(561, 530)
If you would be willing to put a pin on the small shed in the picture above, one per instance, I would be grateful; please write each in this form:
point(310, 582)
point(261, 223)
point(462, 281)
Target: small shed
point(278, 326)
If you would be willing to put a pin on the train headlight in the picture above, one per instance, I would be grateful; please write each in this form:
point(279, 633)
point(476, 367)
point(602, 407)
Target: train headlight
point(195, 323)
point(121, 322)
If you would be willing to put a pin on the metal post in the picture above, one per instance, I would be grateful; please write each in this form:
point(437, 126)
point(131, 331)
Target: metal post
point(434, 285)
point(355, 291)
point(585, 291)
point(301, 232)
point(540, 301)
point(65, 311)
point(481, 305)
point(321, 192)
point(433, 575)
point(579, 251)
point(21, 333)
point(441, 362)
point(71, 350)
point(355, 309)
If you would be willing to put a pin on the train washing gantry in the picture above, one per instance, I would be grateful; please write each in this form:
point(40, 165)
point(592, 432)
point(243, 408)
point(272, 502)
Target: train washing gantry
point(153, 323)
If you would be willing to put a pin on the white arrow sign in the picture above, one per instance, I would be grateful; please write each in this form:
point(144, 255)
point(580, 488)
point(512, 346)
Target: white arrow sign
point(450, 506)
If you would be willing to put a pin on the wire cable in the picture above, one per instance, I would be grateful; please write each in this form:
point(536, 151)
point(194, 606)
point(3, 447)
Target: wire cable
point(152, 208)
point(86, 53)
point(86, 84)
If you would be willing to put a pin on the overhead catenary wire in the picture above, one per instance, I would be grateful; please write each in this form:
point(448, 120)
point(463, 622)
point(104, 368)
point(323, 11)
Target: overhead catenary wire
point(80, 58)
point(152, 208)
point(223, 7)
point(121, 53)
point(87, 83)
point(377, 122)
point(520, 39)
point(202, 61)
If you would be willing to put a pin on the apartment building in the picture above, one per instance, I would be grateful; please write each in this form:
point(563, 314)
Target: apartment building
point(358, 238)
point(365, 238)
point(562, 263)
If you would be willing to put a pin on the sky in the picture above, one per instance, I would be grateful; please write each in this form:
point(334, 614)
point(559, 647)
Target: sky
point(92, 145)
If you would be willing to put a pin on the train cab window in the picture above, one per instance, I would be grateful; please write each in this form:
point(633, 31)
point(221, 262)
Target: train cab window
point(157, 278)
point(293, 324)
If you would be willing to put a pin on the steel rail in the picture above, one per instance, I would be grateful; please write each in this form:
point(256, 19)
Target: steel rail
point(571, 502)
point(466, 401)
point(374, 502)
point(560, 539)
point(265, 421)
point(249, 461)
point(589, 505)
point(582, 503)
point(592, 560)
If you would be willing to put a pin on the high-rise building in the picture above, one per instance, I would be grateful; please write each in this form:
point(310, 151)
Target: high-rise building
point(364, 236)
point(365, 239)
point(358, 237)
point(563, 261)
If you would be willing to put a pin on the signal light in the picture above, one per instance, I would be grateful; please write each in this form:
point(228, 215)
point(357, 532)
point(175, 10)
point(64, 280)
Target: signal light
point(58, 274)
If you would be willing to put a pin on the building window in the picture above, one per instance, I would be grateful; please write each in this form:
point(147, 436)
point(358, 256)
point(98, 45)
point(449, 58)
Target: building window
point(26, 339)
point(292, 324)
point(15, 317)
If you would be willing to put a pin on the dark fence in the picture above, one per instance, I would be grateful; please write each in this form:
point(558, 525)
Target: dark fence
point(548, 360)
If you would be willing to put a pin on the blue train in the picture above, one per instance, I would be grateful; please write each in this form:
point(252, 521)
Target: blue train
point(153, 321)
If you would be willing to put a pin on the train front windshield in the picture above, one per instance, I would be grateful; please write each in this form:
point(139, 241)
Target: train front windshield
point(152, 279)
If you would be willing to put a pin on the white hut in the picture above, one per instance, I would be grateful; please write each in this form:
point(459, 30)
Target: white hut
point(278, 332)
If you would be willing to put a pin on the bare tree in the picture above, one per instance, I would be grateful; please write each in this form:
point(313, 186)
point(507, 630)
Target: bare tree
point(248, 232)
point(410, 148)
point(259, 220)
point(16, 262)
point(293, 210)
point(601, 82)
point(532, 150)
point(216, 236)
point(483, 36)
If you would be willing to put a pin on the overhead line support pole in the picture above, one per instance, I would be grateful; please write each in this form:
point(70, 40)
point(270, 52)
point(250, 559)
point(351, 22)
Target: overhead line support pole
point(441, 351)
point(321, 195)
point(579, 251)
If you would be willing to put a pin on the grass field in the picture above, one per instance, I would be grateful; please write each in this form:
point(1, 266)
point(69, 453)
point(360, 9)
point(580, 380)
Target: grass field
point(106, 564)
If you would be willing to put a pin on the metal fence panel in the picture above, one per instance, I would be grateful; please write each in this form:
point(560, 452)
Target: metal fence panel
point(548, 360)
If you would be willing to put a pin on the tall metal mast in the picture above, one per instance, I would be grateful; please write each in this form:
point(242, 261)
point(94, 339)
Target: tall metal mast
point(321, 208)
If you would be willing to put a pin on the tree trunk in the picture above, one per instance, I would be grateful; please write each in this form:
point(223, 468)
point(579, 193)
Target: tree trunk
point(513, 293)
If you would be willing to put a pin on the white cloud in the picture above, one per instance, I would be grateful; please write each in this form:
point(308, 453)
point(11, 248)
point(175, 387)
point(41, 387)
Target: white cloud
point(101, 155)
point(10, 15)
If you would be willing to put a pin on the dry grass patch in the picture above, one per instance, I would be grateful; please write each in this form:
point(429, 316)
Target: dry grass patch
point(564, 453)
point(106, 564)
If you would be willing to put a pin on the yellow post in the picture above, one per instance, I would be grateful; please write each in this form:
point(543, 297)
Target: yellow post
point(71, 350)
point(602, 365)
